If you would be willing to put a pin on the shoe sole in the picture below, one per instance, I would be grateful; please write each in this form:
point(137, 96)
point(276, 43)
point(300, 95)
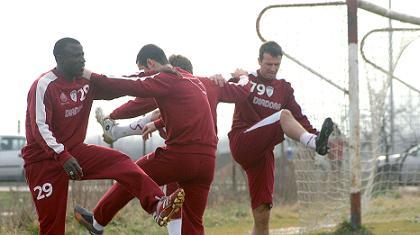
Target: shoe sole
point(326, 130)
point(107, 128)
point(99, 115)
point(79, 218)
point(176, 205)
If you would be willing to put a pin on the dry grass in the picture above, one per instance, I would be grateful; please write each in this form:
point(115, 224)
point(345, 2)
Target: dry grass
point(223, 215)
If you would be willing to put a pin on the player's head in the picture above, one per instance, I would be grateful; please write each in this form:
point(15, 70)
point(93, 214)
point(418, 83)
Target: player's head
point(69, 55)
point(151, 57)
point(181, 62)
point(269, 59)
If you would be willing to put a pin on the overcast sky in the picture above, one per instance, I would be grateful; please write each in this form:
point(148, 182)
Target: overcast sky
point(217, 36)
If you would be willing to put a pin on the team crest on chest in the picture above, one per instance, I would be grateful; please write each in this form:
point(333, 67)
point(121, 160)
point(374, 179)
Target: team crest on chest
point(63, 98)
point(269, 90)
point(73, 95)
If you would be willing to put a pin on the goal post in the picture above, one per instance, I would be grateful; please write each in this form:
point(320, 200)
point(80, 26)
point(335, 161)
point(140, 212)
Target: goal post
point(354, 116)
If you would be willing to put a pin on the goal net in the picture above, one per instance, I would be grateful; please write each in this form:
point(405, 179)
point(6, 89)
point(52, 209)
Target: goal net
point(391, 161)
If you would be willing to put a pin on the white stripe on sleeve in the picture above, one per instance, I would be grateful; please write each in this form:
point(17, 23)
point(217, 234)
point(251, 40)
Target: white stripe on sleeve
point(41, 115)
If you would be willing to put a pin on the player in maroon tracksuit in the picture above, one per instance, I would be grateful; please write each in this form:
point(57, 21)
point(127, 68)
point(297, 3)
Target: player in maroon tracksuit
point(229, 93)
point(260, 123)
point(189, 155)
point(59, 103)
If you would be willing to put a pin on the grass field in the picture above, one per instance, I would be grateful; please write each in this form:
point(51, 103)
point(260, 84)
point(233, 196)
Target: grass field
point(228, 218)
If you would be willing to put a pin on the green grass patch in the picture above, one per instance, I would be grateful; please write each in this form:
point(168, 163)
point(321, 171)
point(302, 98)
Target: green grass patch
point(227, 218)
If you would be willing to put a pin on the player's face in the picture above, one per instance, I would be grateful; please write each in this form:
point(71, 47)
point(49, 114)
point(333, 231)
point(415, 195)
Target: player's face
point(73, 60)
point(269, 66)
point(150, 66)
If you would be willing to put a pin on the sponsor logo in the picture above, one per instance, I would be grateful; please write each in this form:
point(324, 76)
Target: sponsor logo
point(266, 103)
point(73, 111)
point(73, 95)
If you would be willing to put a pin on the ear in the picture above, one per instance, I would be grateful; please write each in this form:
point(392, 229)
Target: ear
point(150, 63)
point(58, 57)
point(259, 61)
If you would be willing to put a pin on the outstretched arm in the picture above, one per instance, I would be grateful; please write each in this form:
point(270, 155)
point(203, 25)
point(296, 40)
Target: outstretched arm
point(134, 108)
point(159, 85)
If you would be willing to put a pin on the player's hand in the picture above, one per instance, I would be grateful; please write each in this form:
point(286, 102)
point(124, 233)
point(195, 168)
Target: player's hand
point(218, 79)
point(148, 129)
point(239, 72)
point(168, 69)
point(155, 115)
point(73, 169)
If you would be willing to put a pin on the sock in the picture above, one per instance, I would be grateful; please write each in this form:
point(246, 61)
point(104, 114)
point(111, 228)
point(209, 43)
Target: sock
point(96, 225)
point(308, 140)
point(134, 128)
point(174, 227)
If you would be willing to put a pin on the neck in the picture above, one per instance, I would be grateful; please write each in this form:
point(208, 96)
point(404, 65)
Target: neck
point(65, 75)
point(261, 77)
point(160, 66)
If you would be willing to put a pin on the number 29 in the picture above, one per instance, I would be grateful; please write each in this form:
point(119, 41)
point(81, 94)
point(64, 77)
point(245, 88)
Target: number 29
point(44, 191)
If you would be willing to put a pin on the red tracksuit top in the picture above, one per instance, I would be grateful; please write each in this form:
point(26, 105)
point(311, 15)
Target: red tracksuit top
point(57, 116)
point(267, 97)
point(229, 93)
point(183, 106)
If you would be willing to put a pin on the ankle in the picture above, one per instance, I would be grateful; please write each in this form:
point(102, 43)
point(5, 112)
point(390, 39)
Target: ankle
point(97, 226)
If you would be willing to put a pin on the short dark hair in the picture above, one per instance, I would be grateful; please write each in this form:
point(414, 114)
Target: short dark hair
point(61, 44)
point(272, 48)
point(182, 62)
point(151, 51)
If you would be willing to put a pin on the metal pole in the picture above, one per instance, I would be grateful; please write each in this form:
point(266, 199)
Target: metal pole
point(354, 116)
point(391, 88)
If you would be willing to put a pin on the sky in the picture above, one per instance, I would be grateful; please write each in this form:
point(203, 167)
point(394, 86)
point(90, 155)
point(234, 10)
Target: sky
point(218, 36)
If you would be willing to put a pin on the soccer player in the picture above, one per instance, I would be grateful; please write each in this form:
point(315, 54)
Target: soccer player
point(260, 123)
point(59, 103)
point(189, 155)
point(229, 92)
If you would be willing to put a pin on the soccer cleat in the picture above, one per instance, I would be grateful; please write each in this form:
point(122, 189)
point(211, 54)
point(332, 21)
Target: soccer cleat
point(85, 218)
point(321, 141)
point(107, 125)
point(168, 206)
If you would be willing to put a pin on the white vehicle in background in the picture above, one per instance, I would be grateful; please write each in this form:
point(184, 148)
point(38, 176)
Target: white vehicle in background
point(402, 167)
point(11, 162)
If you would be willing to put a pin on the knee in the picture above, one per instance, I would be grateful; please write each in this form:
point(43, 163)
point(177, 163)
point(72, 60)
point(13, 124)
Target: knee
point(285, 113)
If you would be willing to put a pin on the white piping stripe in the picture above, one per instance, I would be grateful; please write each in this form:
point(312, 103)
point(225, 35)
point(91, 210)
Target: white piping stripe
point(266, 121)
point(41, 115)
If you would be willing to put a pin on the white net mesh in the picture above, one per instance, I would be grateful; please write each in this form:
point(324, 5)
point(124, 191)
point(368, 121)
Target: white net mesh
point(323, 187)
point(389, 177)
